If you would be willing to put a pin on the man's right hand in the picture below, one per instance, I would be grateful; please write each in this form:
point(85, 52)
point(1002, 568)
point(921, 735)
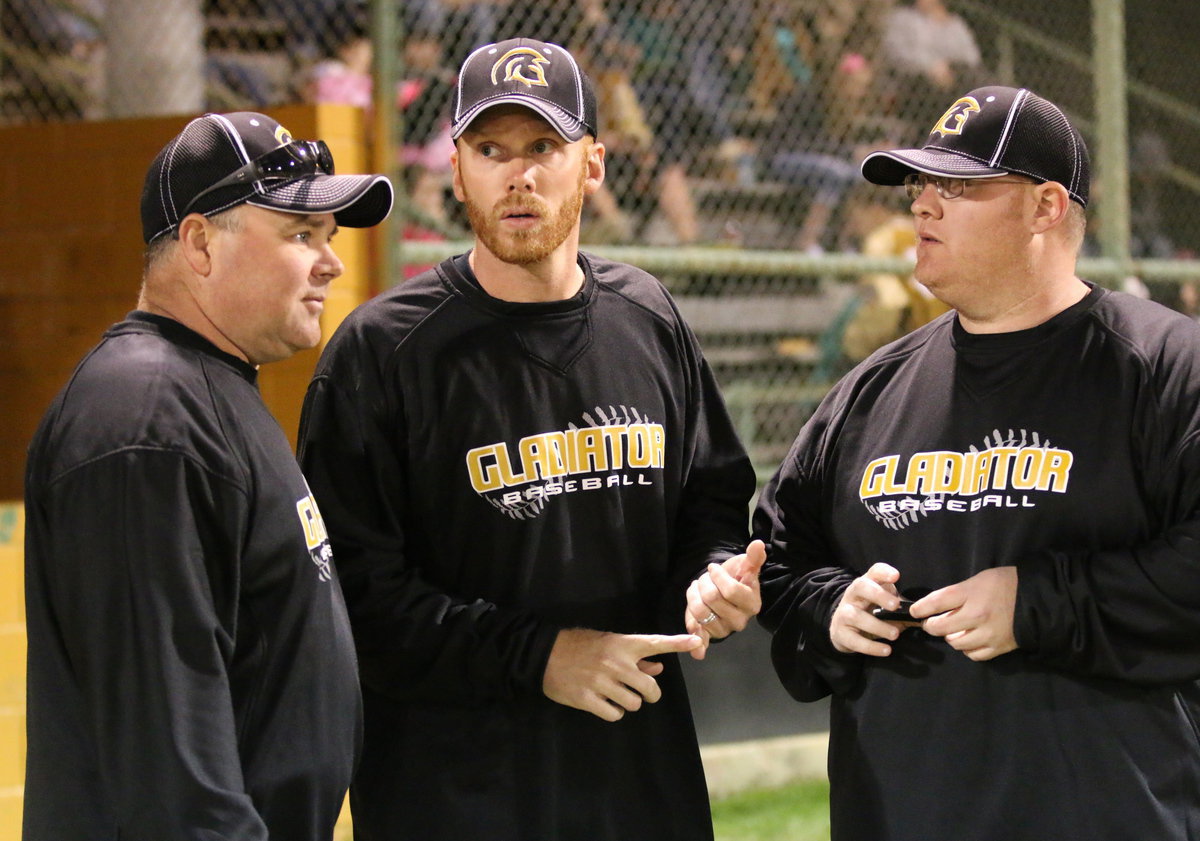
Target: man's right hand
point(607, 674)
point(853, 630)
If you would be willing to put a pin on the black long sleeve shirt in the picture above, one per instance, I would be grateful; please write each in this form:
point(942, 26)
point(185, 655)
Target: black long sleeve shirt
point(1071, 451)
point(491, 473)
point(191, 669)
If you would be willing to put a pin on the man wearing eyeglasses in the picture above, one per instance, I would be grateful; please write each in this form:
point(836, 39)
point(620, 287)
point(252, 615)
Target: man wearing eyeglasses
point(984, 544)
point(191, 669)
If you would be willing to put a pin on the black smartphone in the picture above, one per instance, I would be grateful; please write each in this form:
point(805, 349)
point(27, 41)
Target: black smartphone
point(900, 614)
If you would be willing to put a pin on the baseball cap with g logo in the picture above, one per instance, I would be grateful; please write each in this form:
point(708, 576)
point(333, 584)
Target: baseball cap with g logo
point(994, 131)
point(220, 161)
point(522, 71)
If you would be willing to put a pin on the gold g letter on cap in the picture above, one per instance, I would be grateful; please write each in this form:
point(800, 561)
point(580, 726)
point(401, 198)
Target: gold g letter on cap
point(960, 111)
point(515, 61)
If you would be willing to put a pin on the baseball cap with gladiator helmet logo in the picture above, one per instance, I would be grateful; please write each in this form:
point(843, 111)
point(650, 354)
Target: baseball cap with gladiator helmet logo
point(522, 71)
point(994, 131)
point(220, 161)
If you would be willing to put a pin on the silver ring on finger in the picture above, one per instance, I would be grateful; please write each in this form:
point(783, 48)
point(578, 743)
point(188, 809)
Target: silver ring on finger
point(712, 617)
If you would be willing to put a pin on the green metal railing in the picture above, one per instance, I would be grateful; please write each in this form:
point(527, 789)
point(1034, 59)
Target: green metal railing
point(738, 262)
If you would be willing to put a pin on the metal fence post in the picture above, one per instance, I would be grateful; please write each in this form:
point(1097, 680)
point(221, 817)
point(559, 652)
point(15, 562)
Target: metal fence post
point(1112, 128)
point(387, 35)
point(149, 76)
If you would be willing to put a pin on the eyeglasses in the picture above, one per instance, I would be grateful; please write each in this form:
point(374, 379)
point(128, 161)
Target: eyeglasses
point(948, 188)
point(287, 163)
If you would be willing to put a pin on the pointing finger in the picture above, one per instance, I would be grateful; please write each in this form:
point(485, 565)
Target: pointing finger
point(650, 644)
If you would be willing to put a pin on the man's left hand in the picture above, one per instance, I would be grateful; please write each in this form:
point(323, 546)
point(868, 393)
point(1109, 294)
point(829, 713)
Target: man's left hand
point(725, 598)
point(974, 616)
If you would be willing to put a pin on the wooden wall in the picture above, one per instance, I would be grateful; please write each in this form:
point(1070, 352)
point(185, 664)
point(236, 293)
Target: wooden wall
point(12, 669)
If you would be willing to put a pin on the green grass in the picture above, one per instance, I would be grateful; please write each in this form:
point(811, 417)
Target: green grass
point(798, 812)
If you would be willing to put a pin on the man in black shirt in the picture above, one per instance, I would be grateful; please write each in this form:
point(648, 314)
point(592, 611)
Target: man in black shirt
point(524, 462)
point(191, 669)
point(1026, 470)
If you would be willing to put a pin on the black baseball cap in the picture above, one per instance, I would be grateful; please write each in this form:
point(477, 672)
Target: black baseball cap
point(522, 71)
point(220, 161)
point(994, 131)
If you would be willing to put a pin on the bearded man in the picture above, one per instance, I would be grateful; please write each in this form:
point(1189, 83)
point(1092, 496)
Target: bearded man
point(524, 464)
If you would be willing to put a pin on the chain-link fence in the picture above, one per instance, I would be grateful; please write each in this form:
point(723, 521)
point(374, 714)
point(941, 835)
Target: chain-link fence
point(732, 125)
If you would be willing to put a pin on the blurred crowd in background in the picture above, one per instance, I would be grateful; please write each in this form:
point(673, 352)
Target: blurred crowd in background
point(725, 125)
point(739, 125)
